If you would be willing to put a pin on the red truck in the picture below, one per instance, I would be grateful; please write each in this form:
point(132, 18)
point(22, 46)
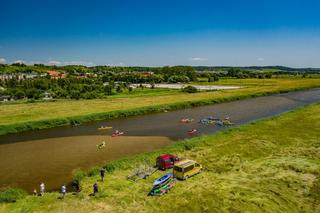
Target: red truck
point(166, 161)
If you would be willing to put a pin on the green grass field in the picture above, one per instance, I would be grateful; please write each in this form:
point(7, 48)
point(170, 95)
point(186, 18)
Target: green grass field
point(267, 166)
point(28, 116)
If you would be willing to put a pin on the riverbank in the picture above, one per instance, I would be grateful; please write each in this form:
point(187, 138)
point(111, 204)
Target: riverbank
point(271, 165)
point(33, 116)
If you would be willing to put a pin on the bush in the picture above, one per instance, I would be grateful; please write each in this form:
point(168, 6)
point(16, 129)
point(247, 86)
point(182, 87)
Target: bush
point(119, 89)
point(75, 94)
point(188, 146)
point(78, 175)
point(11, 195)
point(108, 90)
point(93, 171)
point(177, 78)
point(189, 89)
point(109, 168)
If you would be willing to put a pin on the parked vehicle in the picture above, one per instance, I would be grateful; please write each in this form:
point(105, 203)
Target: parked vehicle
point(166, 161)
point(186, 168)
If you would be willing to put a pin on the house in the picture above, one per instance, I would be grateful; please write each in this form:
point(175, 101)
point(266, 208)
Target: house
point(55, 74)
point(147, 74)
point(47, 96)
point(31, 75)
point(5, 98)
point(18, 76)
point(8, 76)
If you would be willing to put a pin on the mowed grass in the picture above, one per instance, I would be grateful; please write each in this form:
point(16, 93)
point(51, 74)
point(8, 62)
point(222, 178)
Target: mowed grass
point(267, 166)
point(45, 111)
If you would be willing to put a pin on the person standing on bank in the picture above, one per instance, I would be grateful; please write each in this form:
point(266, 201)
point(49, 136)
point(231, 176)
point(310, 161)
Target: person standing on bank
point(102, 172)
point(42, 189)
point(63, 190)
point(95, 188)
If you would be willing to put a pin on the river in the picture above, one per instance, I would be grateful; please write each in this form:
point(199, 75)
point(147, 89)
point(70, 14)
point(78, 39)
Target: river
point(51, 155)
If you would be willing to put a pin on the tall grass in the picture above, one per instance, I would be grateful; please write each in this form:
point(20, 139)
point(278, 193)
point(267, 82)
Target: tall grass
point(11, 194)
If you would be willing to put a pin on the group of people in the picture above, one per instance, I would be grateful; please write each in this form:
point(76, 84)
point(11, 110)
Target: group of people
point(76, 186)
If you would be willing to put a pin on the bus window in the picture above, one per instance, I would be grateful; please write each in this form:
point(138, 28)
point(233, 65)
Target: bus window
point(189, 168)
point(178, 169)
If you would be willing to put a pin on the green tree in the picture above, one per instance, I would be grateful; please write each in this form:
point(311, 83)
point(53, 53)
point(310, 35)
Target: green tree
point(75, 94)
point(108, 90)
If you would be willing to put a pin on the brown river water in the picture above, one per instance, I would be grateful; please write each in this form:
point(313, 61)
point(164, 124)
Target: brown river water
point(51, 155)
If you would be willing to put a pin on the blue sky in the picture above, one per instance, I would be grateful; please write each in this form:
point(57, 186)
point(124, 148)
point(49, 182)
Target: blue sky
point(157, 33)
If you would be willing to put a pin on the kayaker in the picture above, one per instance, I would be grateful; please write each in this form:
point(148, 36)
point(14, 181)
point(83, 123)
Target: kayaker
point(42, 188)
point(95, 188)
point(102, 172)
point(63, 190)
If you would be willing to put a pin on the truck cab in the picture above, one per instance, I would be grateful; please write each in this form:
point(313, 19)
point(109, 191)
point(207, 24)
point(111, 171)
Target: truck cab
point(166, 161)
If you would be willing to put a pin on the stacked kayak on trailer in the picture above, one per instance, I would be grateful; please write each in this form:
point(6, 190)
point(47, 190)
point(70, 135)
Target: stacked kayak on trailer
point(162, 185)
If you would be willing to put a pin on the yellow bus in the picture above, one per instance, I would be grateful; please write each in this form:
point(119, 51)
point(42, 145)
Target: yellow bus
point(186, 168)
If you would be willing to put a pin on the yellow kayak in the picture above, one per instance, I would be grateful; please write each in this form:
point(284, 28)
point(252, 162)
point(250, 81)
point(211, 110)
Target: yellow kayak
point(105, 128)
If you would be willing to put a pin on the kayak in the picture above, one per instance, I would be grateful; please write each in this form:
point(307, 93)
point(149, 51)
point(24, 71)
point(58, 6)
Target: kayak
point(117, 134)
point(192, 131)
point(162, 180)
point(186, 120)
point(164, 188)
point(213, 118)
point(227, 122)
point(101, 145)
point(105, 128)
point(75, 124)
point(219, 123)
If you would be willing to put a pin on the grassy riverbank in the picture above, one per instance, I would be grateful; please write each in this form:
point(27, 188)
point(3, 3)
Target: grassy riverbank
point(267, 166)
point(30, 116)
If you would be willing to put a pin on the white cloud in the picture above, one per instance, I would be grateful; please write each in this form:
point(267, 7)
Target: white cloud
point(3, 60)
point(85, 63)
point(19, 62)
point(198, 59)
point(121, 64)
point(52, 62)
point(260, 59)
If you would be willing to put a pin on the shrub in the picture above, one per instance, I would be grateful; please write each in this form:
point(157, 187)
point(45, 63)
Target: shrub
point(188, 146)
point(78, 175)
point(110, 168)
point(93, 171)
point(189, 89)
point(11, 195)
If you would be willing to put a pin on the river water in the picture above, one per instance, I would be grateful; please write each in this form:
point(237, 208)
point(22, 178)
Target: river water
point(50, 155)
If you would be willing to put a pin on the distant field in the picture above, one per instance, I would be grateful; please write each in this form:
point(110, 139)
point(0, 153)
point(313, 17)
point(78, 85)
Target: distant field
point(267, 166)
point(15, 114)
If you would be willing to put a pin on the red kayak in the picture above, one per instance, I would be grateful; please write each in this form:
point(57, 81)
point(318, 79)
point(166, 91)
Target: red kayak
point(115, 134)
point(192, 131)
point(186, 120)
